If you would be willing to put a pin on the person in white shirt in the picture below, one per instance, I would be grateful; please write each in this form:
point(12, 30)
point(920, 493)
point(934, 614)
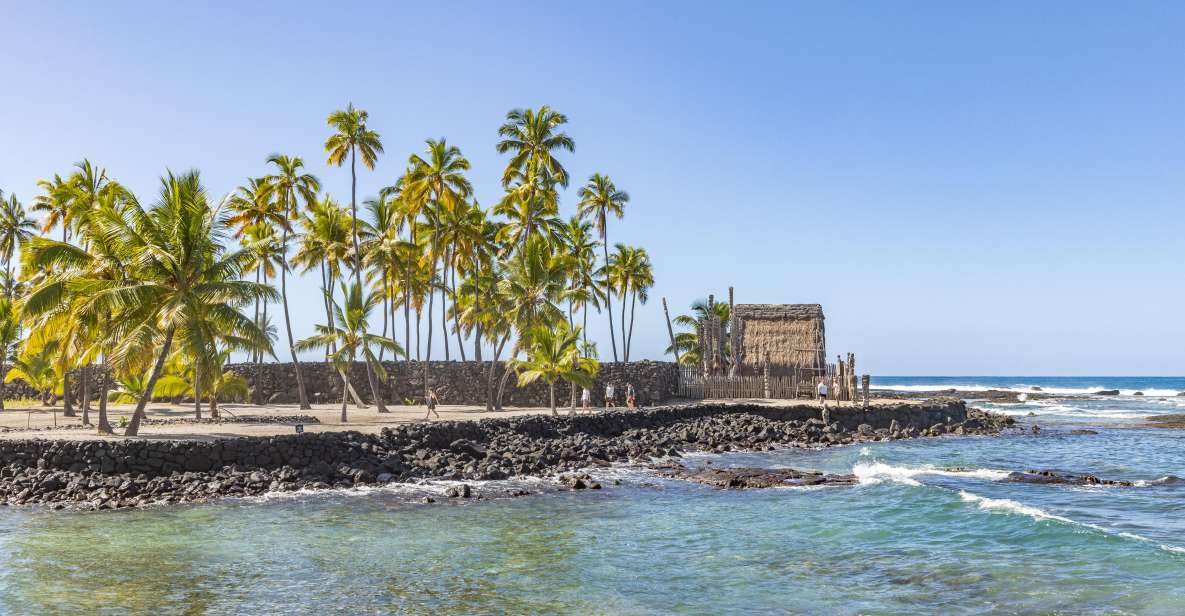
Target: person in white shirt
point(585, 399)
point(823, 399)
point(610, 402)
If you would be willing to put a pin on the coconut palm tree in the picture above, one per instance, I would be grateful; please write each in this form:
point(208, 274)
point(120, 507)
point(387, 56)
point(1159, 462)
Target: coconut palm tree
point(10, 334)
point(291, 189)
point(584, 288)
point(351, 139)
point(36, 367)
point(183, 283)
point(55, 202)
point(15, 228)
point(689, 341)
point(351, 337)
point(533, 138)
point(600, 197)
point(634, 275)
point(554, 354)
point(434, 185)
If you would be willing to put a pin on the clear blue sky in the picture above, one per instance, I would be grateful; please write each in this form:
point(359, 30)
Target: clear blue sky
point(967, 188)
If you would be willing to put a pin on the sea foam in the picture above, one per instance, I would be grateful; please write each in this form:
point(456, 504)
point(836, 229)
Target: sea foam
point(876, 472)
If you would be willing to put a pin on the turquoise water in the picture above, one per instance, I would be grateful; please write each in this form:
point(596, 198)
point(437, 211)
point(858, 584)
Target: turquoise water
point(909, 539)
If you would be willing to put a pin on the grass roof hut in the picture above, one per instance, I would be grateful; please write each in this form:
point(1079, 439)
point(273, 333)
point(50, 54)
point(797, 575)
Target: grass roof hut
point(789, 336)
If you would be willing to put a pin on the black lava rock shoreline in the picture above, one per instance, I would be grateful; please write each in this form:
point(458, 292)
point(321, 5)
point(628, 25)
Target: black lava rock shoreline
point(134, 473)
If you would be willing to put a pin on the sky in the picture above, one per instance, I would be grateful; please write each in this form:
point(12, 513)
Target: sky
point(966, 188)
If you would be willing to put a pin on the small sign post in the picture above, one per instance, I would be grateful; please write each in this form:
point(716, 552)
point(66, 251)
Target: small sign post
point(300, 428)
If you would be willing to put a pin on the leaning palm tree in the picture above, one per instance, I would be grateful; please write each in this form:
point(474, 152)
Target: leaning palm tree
point(351, 337)
point(352, 138)
point(183, 281)
point(600, 197)
point(15, 229)
point(291, 188)
point(555, 354)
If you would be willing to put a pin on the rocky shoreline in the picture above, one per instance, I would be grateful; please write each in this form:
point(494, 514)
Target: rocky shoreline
point(136, 473)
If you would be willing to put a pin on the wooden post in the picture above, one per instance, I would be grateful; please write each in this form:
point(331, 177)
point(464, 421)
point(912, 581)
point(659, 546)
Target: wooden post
point(765, 376)
point(670, 330)
point(734, 351)
point(864, 381)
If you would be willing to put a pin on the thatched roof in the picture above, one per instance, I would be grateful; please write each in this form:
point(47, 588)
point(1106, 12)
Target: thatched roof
point(788, 335)
point(779, 311)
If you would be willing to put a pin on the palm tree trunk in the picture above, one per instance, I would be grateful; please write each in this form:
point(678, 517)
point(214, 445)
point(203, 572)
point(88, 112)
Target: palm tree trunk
point(86, 394)
point(407, 320)
point(254, 352)
point(492, 370)
point(300, 391)
point(443, 299)
point(624, 349)
point(67, 395)
point(345, 392)
point(382, 350)
point(374, 389)
point(456, 316)
point(354, 217)
point(3, 371)
point(431, 297)
point(630, 341)
point(104, 425)
point(609, 294)
point(197, 389)
point(138, 414)
point(551, 388)
point(326, 289)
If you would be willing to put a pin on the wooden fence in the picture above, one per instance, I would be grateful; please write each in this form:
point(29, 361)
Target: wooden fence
point(694, 385)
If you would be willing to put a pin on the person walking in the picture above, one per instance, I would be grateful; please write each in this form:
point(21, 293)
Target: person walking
point(585, 399)
point(631, 397)
point(610, 401)
point(431, 401)
point(822, 394)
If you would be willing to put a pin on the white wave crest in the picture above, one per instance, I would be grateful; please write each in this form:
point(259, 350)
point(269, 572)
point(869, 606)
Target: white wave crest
point(1011, 506)
point(876, 472)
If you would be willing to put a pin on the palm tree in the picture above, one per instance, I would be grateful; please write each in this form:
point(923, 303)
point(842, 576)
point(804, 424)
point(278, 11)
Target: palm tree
point(37, 368)
point(533, 137)
point(253, 208)
point(15, 228)
point(184, 282)
point(56, 203)
point(599, 198)
point(351, 338)
point(434, 185)
point(689, 341)
point(584, 288)
point(555, 354)
point(65, 293)
point(10, 334)
point(291, 187)
point(351, 139)
point(631, 270)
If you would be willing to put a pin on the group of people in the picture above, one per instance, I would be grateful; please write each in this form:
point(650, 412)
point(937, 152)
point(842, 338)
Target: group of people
point(631, 397)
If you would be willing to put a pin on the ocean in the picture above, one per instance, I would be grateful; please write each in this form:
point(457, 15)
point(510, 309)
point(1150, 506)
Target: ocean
point(912, 538)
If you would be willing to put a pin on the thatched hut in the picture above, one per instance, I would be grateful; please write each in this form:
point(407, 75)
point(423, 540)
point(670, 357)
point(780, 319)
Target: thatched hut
point(789, 336)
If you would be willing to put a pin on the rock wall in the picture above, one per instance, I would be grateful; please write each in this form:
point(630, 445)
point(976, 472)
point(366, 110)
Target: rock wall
point(455, 382)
